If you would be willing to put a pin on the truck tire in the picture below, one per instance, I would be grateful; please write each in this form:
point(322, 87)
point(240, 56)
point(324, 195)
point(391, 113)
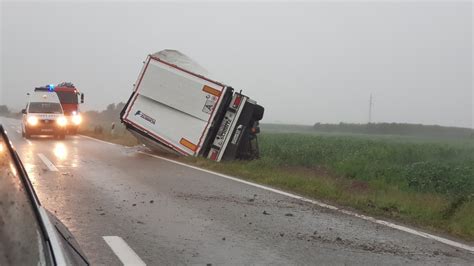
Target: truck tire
point(258, 112)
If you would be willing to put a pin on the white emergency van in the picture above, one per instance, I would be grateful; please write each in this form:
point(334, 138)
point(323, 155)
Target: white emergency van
point(43, 115)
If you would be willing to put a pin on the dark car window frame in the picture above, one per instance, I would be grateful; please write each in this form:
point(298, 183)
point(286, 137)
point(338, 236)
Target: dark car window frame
point(56, 237)
point(30, 196)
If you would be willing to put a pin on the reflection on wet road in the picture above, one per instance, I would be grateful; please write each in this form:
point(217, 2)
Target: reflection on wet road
point(117, 200)
point(60, 151)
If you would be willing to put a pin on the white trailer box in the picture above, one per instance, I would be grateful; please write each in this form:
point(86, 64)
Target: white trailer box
point(174, 109)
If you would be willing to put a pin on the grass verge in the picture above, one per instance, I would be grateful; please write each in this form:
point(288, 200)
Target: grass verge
point(123, 138)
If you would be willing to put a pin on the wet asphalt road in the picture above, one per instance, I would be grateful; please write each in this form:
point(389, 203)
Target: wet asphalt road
point(170, 214)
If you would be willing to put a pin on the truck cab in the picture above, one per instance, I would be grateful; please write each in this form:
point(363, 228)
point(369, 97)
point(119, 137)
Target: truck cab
point(70, 98)
point(43, 115)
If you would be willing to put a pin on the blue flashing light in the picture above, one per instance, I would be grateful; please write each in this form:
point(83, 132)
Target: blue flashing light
point(51, 87)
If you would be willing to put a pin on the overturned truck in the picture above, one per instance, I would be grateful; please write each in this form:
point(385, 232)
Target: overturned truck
point(175, 108)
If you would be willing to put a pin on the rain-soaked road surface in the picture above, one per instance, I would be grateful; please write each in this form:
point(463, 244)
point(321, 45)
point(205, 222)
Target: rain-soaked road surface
point(171, 214)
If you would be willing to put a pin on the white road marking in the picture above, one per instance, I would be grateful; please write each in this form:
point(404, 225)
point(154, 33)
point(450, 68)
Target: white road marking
point(29, 142)
point(48, 163)
point(18, 131)
point(319, 203)
point(124, 252)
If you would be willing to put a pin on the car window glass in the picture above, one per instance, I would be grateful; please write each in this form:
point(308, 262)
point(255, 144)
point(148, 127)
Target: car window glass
point(21, 240)
point(48, 108)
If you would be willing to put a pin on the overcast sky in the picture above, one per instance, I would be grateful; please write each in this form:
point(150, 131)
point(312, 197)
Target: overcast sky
point(304, 62)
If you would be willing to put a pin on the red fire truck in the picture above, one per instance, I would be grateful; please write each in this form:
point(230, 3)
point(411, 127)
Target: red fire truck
point(70, 97)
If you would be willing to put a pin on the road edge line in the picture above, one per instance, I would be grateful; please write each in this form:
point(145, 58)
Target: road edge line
point(103, 141)
point(48, 163)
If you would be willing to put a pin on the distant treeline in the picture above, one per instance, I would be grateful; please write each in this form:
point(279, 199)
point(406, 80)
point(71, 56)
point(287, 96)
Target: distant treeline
point(5, 111)
point(104, 120)
point(110, 114)
point(402, 129)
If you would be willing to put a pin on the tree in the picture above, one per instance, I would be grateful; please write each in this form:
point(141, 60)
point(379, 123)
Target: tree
point(4, 109)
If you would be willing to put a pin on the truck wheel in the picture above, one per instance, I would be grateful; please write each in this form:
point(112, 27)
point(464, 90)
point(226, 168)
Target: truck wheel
point(73, 131)
point(258, 112)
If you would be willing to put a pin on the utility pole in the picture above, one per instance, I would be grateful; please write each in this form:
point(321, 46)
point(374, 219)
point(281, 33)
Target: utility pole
point(370, 109)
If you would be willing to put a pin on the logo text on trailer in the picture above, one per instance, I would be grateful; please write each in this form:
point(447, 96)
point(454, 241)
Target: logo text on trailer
point(145, 116)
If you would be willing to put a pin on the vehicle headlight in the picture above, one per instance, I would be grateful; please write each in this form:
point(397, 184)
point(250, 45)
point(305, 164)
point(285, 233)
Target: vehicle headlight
point(62, 121)
point(76, 119)
point(32, 120)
